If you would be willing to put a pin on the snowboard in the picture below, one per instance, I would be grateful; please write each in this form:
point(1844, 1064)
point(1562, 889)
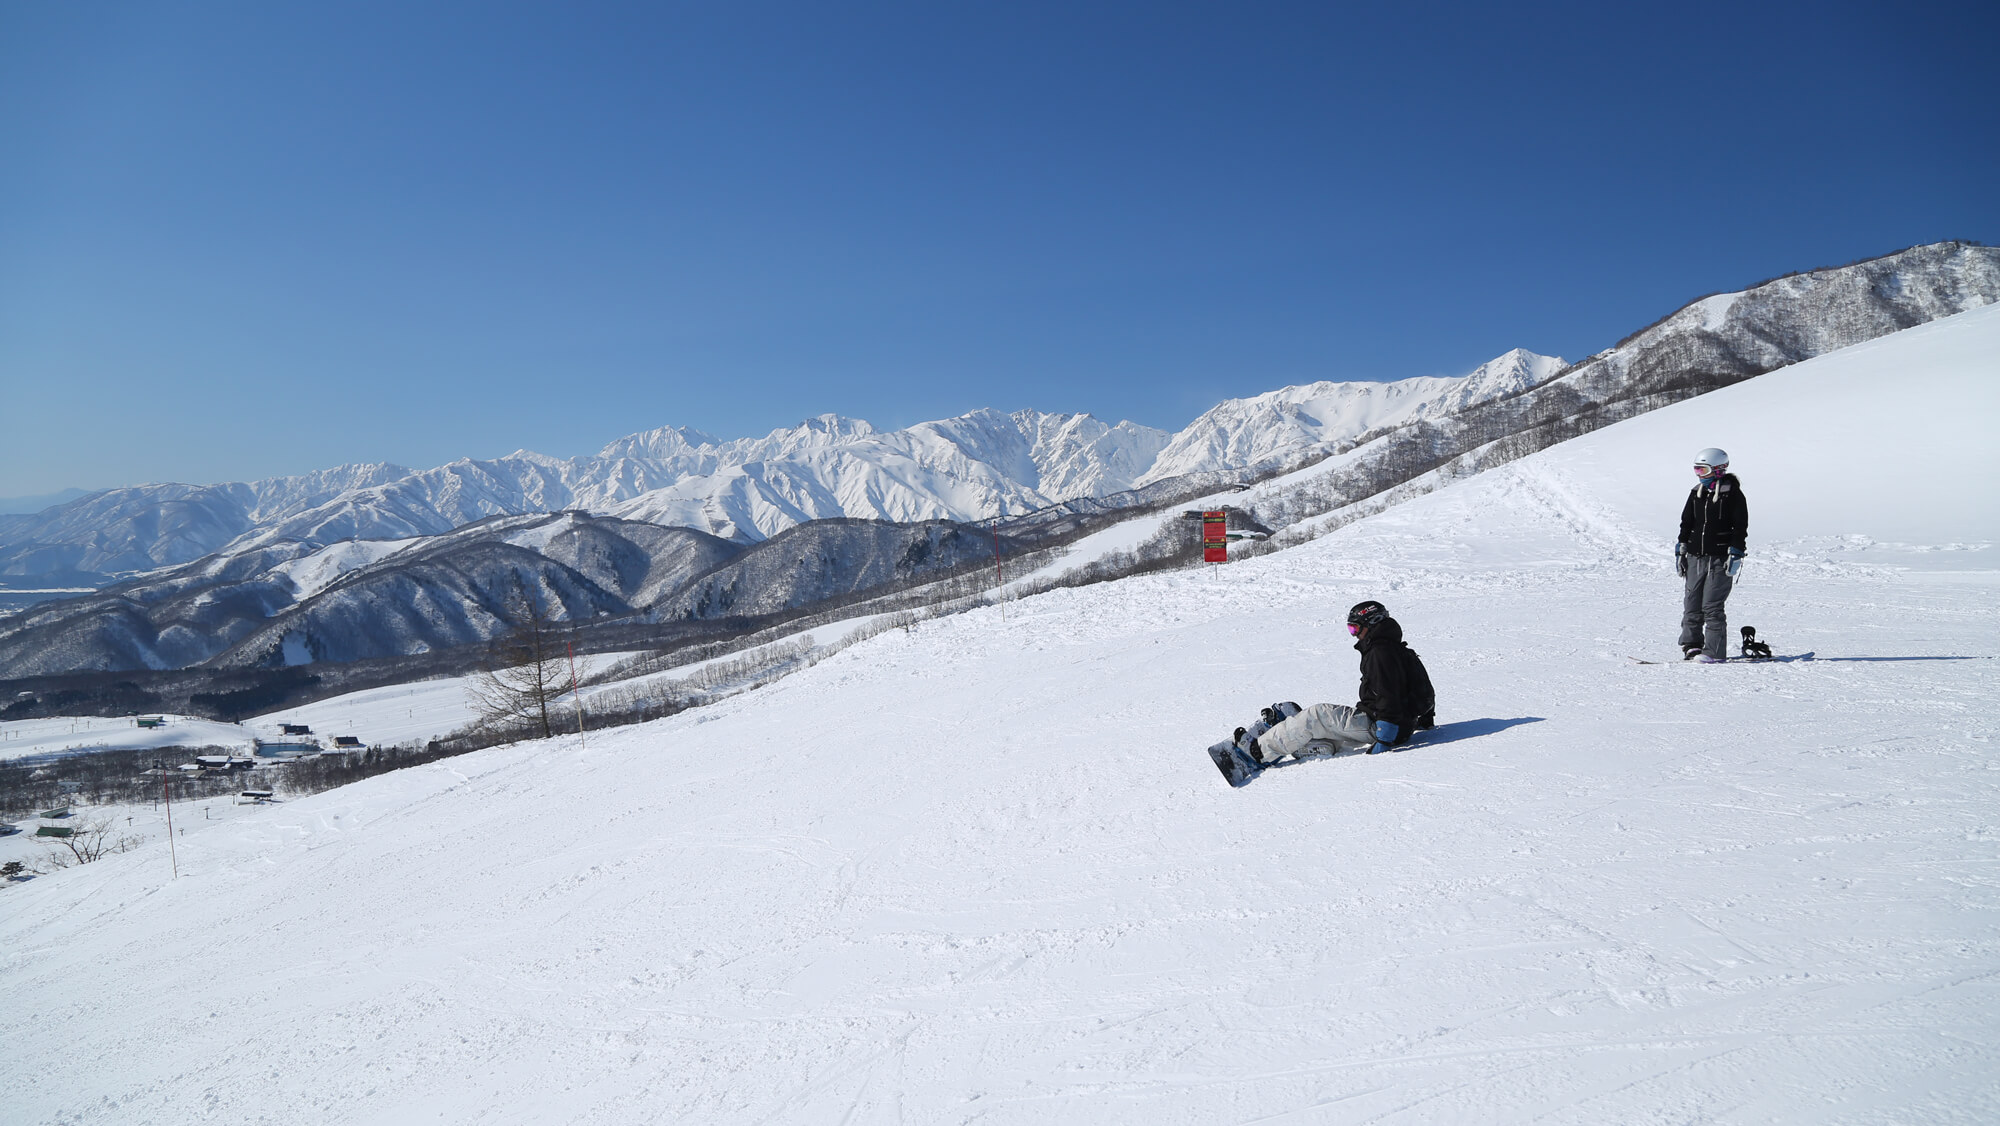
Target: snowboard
point(1235, 763)
point(1232, 756)
point(1240, 769)
point(1745, 655)
point(1737, 660)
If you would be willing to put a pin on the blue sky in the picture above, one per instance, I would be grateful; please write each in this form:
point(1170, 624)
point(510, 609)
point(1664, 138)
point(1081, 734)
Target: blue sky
point(239, 240)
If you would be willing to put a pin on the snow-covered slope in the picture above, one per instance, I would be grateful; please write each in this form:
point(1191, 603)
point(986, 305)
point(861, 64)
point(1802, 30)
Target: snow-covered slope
point(33, 738)
point(981, 870)
point(310, 574)
point(1885, 443)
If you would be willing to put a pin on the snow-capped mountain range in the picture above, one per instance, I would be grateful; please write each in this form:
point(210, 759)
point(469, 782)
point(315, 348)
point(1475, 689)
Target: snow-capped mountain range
point(975, 466)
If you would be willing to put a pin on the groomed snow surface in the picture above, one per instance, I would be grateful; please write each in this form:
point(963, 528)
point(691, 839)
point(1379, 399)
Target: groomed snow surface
point(36, 738)
point(983, 871)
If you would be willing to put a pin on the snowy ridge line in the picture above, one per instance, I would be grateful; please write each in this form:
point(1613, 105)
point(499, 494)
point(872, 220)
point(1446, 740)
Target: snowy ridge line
point(1241, 432)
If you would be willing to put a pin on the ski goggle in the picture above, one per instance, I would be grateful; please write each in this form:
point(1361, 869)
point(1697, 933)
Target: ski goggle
point(1353, 630)
point(1708, 470)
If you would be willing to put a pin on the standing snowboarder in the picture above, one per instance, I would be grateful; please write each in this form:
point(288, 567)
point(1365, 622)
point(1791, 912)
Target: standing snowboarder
point(1708, 555)
point(1396, 699)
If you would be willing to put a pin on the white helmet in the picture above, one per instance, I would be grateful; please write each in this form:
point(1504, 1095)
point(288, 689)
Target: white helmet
point(1710, 462)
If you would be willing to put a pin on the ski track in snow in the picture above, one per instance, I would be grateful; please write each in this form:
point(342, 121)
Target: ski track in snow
point(980, 870)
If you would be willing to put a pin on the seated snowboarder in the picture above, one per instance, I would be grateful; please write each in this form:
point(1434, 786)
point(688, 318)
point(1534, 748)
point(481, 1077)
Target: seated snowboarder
point(1396, 698)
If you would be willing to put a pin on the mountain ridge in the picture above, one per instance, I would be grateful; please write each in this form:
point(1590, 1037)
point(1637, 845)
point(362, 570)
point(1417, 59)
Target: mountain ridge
point(972, 466)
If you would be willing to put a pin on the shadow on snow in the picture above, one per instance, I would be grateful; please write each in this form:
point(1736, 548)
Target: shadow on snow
point(1465, 729)
point(1828, 660)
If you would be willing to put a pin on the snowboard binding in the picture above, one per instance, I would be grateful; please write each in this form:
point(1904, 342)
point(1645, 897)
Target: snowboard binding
point(1279, 713)
point(1753, 648)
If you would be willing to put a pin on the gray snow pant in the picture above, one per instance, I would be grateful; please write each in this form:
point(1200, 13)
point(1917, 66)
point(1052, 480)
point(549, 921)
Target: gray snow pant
point(1329, 723)
point(1703, 620)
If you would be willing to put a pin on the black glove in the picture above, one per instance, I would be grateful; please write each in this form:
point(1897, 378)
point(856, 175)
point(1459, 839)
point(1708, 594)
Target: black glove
point(1681, 560)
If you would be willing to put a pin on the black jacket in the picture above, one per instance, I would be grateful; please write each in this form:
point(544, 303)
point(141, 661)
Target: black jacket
point(1394, 685)
point(1715, 519)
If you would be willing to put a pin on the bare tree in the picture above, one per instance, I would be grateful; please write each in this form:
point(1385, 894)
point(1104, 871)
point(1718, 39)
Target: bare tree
point(527, 672)
point(90, 841)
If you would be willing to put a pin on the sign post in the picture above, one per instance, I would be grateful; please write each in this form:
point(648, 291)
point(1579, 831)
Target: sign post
point(1214, 537)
